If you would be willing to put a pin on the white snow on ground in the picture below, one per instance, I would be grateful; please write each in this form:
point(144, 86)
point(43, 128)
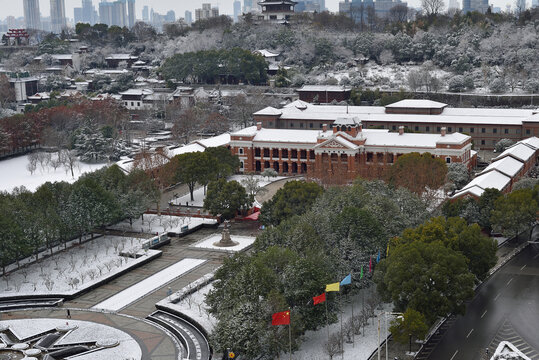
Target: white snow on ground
point(85, 331)
point(243, 242)
point(199, 196)
point(14, 173)
point(312, 348)
point(152, 224)
point(194, 306)
point(69, 272)
point(146, 286)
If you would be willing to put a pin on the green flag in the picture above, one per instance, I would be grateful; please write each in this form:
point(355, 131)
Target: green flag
point(361, 275)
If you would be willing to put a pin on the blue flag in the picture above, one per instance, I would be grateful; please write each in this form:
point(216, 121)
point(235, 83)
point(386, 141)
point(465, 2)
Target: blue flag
point(347, 280)
point(378, 257)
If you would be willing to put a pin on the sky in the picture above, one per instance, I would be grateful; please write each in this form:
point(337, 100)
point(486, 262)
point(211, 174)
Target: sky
point(15, 7)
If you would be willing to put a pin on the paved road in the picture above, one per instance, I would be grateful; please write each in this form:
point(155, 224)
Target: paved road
point(506, 307)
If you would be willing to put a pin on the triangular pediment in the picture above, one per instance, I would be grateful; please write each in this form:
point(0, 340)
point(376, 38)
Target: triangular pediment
point(337, 143)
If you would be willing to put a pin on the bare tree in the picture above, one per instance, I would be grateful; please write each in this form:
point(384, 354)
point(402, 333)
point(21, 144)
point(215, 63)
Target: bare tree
point(69, 160)
point(398, 13)
point(333, 345)
point(432, 7)
point(7, 93)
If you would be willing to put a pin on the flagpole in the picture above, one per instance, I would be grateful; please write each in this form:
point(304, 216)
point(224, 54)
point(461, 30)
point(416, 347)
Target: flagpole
point(342, 334)
point(290, 334)
point(327, 319)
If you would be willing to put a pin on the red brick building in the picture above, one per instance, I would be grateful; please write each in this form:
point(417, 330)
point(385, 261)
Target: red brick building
point(340, 154)
point(485, 126)
point(505, 170)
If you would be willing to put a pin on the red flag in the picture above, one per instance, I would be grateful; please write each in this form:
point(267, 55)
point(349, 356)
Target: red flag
point(319, 299)
point(370, 264)
point(281, 318)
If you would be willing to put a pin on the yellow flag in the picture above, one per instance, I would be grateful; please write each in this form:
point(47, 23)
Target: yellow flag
point(332, 287)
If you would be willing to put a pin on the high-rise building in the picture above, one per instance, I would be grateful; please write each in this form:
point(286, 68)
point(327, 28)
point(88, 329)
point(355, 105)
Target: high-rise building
point(88, 12)
point(113, 13)
point(131, 13)
point(476, 5)
point(237, 10)
point(249, 6)
point(145, 14)
point(188, 17)
point(77, 15)
point(170, 16)
point(206, 12)
point(32, 17)
point(520, 6)
point(105, 13)
point(58, 16)
point(535, 3)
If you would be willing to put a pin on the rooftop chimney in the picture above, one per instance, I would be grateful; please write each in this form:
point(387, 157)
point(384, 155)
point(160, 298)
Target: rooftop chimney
point(258, 126)
point(444, 130)
point(324, 127)
point(401, 130)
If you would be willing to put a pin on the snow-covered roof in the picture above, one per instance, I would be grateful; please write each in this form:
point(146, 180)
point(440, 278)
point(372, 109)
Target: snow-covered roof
point(39, 96)
point(473, 116)
point(121, 57)
point(492, 179)
point(268, 111)
point(507, 166)
point(347, 121)
point(57, 57)
point(519, 151)
point(267, 53)
point(106, 71)
point(194, 147)
point(507, 350)
point(532, 141)
point(320, 88)
point(386, 138)
point(417, 104)
point(137, 92)
point(473, 190)
point(280, 135)
point(215, 141)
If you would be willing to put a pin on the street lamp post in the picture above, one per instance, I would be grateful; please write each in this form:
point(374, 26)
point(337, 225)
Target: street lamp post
point(410, 343)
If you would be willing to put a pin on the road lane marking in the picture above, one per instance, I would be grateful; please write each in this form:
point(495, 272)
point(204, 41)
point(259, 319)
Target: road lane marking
point(467, 336)
point(522, 268)
point(509, 281)
point(497, 296)
point(483, 314)
point(454, 355)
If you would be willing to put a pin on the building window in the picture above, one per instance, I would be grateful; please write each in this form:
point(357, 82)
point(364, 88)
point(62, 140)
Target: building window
point(427, 129)
point(257, 152)
point(266, 152)
point(482, 142)
point(527, 131)
point(449, 129)
point(270, 123)
point(390, 158)
point(416, 128)
point(380, 157)
point(370, 157)
point(241, 165)
point(240, 151)
point(448, 160)
point(506, 131)
point(394, 127)
point(284, 153)
point(460, 129)
point(472, 130)
point(132, 103)
point(311, 125)
point(311, 154)
point(494, 131)
point(438, 129)
point(301, 125)
point(138, 103)
point(275, 153)
point(291, 124)
point(321, 126)
point(483, 130)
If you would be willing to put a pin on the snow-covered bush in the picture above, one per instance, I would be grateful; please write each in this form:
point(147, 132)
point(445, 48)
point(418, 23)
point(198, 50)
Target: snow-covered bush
point(498, 86)
point(503, 144)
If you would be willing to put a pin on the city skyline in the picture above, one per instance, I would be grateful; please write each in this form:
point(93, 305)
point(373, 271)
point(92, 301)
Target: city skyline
point(162, 6)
